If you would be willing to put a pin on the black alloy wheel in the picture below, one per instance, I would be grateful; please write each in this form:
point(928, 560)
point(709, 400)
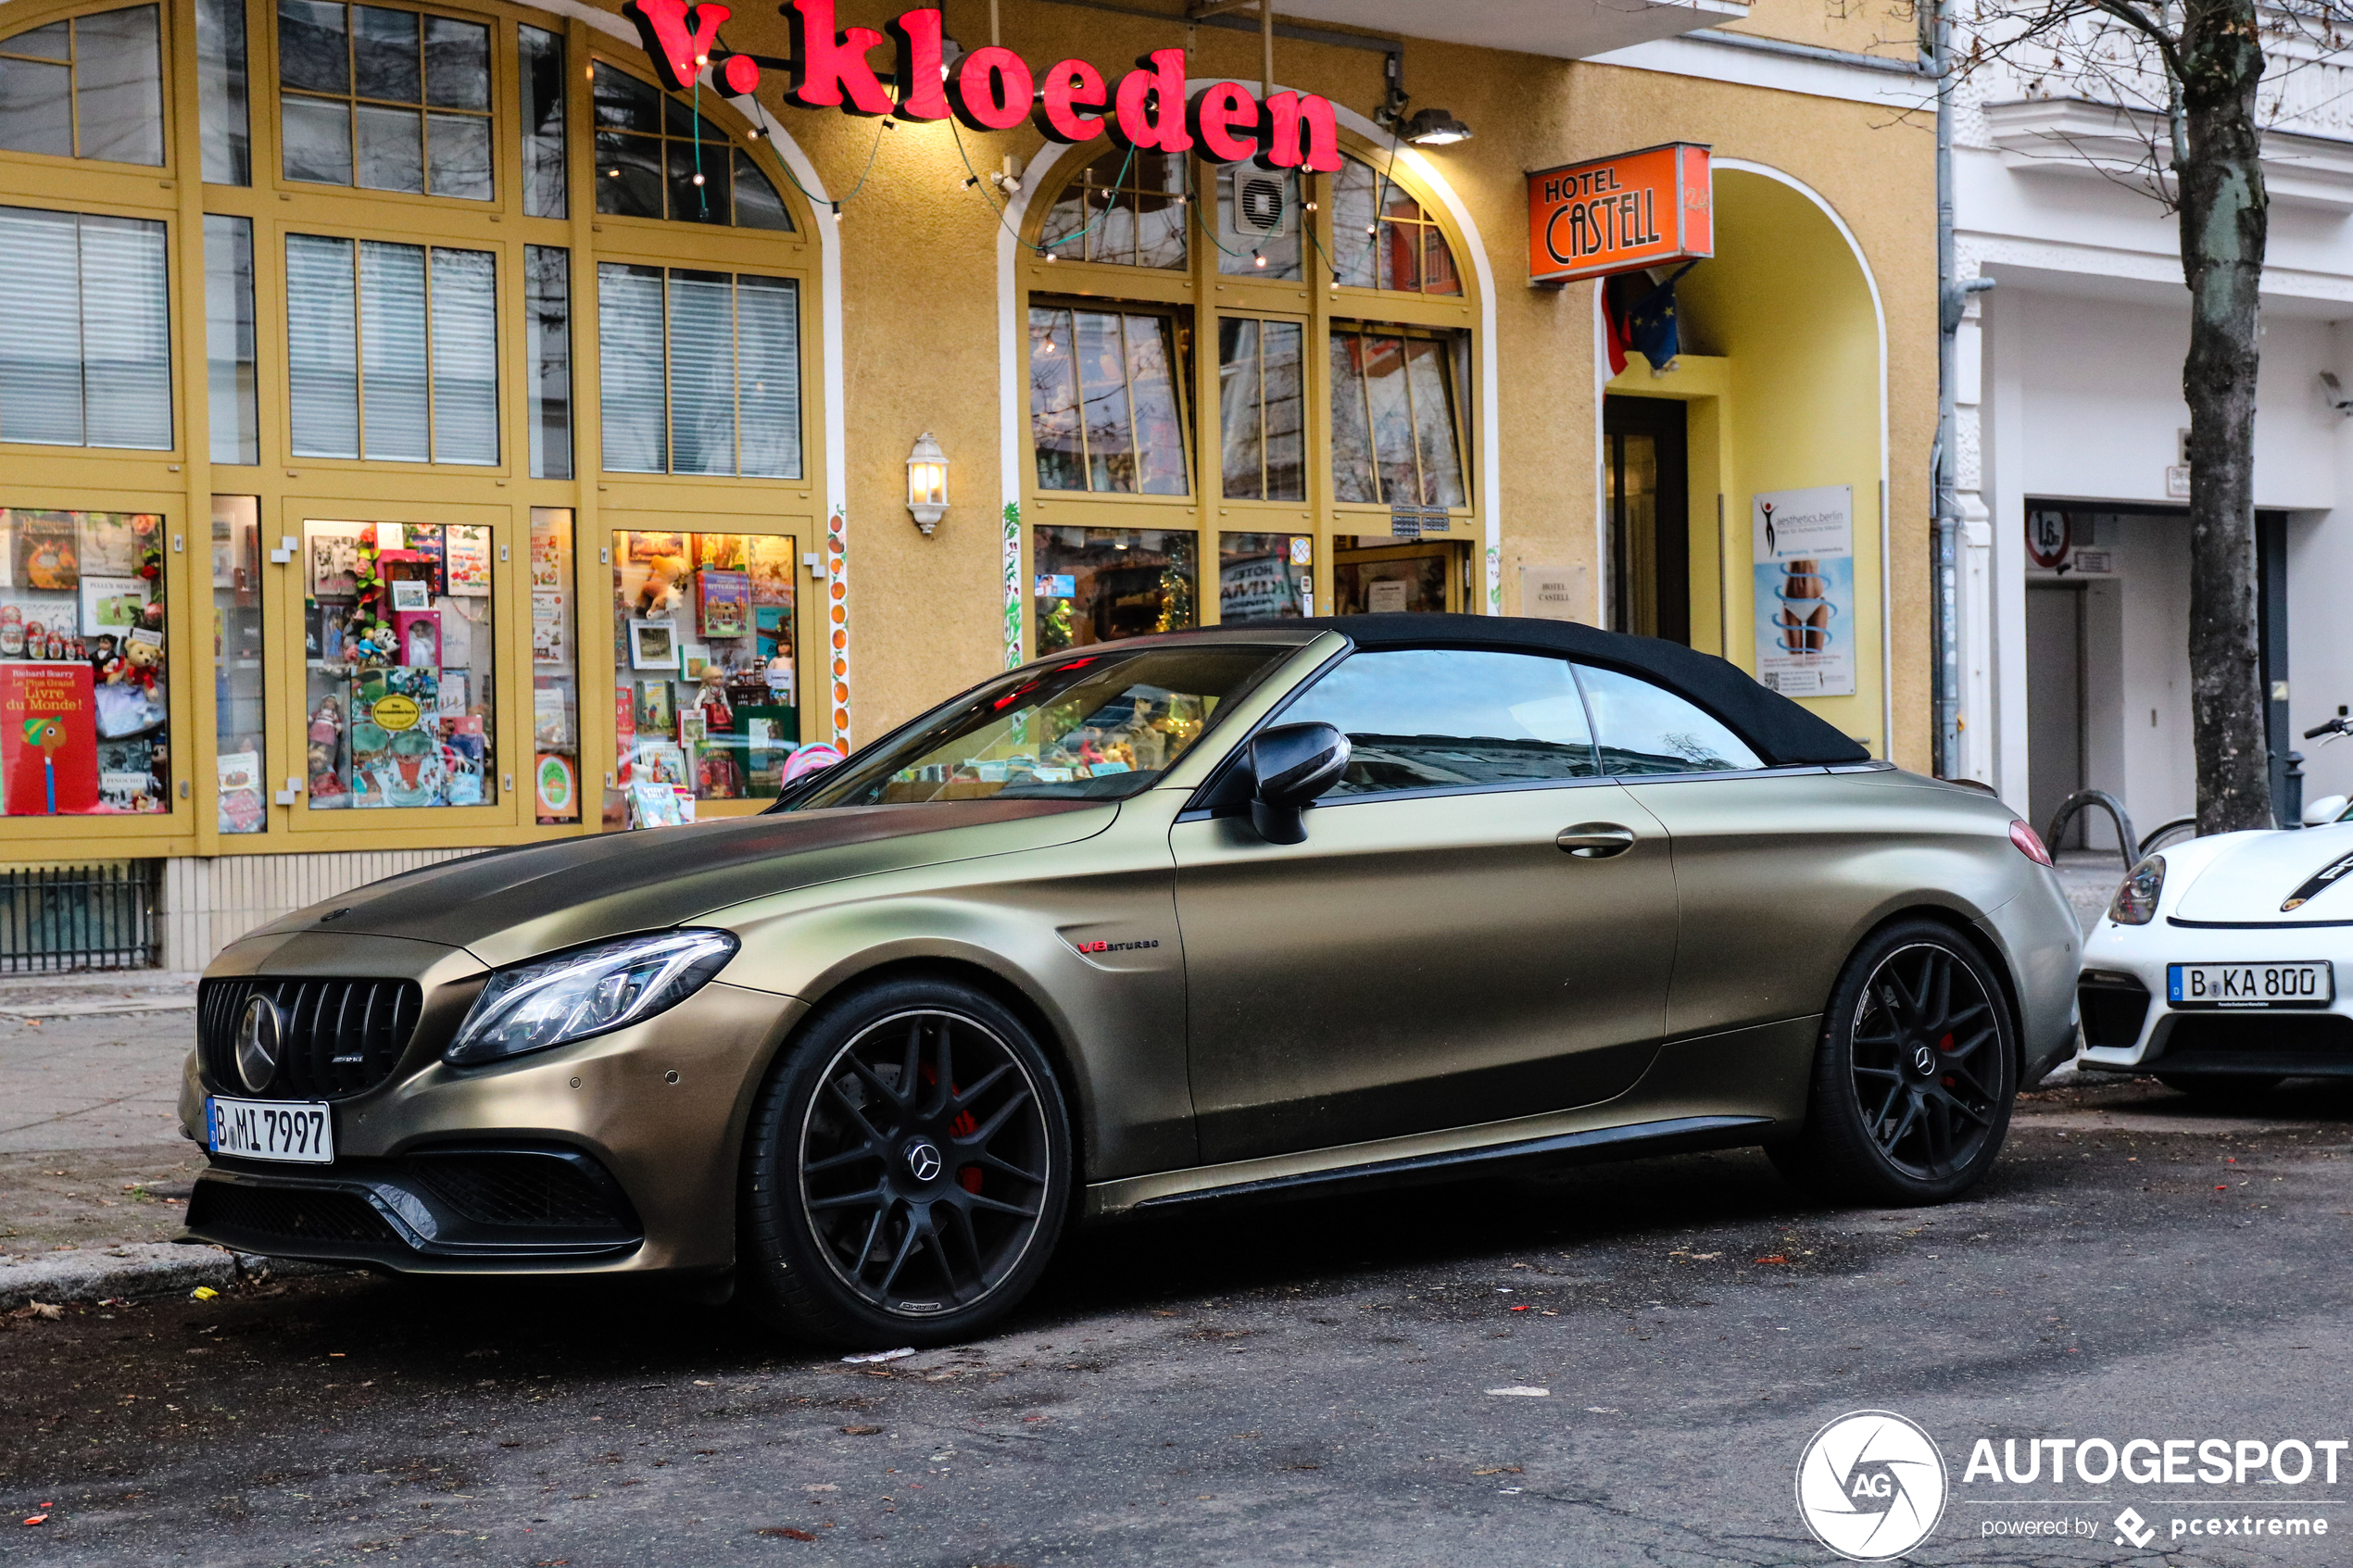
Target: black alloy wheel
point(908, 1170)
point(1914, 1075)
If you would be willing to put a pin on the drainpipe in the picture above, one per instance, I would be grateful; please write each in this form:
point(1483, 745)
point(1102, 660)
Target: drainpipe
point(1952, 299)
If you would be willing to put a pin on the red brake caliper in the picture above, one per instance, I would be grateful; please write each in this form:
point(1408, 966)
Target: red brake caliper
point(1946, 1045)
point(963, 1126)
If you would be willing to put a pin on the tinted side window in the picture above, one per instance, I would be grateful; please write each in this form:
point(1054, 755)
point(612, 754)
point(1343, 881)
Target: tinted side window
point(1646, 729)
point(1442, 718)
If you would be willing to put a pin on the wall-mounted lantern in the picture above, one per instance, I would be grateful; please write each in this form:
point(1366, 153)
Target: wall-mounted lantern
point(927, 482)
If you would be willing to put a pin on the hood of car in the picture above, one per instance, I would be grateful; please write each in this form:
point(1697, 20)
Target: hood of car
point(2275, 879)
point(509, 905)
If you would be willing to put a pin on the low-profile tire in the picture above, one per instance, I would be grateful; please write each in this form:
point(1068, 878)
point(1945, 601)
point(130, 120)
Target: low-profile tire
point(1914, 1076)
point(2222, 1089)
point(907, 1169)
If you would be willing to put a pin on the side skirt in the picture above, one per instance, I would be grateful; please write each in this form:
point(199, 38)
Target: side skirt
point(1281, 1176)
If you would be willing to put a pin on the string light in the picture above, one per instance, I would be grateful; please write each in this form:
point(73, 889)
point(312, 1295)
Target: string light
point(1256, 259)
point(697, 179)
point(1052, 256)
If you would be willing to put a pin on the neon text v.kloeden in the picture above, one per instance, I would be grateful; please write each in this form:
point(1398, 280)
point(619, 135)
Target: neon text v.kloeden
point(992, 89)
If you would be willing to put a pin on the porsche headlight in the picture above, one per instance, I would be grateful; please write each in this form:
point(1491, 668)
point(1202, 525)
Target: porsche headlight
point(2136, 900)
point(589, 991)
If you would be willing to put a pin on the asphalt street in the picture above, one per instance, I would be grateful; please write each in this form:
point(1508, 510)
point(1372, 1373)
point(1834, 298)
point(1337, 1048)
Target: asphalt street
point(1308, 1383)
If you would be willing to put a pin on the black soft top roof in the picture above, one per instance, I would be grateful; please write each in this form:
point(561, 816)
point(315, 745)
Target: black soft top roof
point(1778, 730)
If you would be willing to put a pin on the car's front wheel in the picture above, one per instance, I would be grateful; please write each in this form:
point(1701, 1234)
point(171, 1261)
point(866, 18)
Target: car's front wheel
point(907, 1169)
point(1914, 1077)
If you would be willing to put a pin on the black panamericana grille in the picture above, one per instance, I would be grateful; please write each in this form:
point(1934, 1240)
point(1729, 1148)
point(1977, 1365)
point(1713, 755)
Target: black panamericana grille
point(291, 1214)
point(340, 1035)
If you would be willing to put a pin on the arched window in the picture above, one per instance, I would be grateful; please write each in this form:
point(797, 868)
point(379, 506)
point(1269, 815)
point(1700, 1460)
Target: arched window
point(1384, 238)
point(88, 87)
point(656, 157)
point(1246, 367)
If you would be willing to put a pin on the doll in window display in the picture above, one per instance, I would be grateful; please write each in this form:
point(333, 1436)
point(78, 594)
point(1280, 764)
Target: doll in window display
point(325, 751)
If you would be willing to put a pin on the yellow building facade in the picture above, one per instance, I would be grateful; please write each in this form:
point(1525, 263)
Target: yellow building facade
point(428, 425)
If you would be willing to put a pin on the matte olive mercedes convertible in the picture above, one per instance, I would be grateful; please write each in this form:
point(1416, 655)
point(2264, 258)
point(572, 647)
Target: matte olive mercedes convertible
point(1256, 910)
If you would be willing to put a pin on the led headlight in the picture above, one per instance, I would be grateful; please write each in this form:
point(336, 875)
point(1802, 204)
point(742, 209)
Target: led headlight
point(588, 991)
point(2136, 900)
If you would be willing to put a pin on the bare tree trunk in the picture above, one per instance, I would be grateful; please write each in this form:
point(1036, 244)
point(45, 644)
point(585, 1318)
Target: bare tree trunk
point(2224, 227)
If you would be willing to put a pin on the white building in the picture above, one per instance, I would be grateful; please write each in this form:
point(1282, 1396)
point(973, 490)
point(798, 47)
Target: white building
point(2074, 567)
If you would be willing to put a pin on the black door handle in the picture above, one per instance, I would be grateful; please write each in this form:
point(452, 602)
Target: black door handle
point(1595, 841)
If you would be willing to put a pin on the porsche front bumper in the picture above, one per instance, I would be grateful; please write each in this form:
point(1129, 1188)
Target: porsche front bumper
point(2130, 1027)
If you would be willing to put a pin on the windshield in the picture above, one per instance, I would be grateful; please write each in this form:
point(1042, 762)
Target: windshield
point(1098, 728)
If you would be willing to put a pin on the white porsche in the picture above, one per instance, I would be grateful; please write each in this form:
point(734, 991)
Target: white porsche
point(2223, 964)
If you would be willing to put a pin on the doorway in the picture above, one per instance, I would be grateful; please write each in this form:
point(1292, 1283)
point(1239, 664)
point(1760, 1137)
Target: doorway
point(2054, 703)
point(1646, 467)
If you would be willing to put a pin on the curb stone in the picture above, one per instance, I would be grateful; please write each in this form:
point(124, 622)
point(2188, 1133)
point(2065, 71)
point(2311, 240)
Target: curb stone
point(149, 1267)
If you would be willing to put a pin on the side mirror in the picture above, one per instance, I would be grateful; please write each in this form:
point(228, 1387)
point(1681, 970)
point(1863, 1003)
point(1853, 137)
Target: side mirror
point(1293, 764)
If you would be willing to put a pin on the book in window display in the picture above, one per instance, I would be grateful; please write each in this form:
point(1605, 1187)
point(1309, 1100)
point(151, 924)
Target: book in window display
point(721, 552)
point(49, 740)
point(469, 563)
point(771, 564)
point(47, 559)
point(722, 600)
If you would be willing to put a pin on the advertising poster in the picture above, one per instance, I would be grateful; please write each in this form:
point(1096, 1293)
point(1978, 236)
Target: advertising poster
point(1804, 541)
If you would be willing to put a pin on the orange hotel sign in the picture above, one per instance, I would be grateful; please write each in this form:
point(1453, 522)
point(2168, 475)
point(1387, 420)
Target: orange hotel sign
point(1615, 214)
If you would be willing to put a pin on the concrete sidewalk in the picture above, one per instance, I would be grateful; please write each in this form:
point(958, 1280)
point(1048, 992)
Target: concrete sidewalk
point(94, 1173)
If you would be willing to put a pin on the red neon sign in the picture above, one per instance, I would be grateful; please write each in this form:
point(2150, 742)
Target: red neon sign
point(994, 89)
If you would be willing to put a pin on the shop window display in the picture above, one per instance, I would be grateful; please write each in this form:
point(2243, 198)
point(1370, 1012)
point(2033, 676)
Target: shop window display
point(705, 700)
point(1411, 581)
point(398, 633)
point(1100, 585)
point(1264, 576)
point(238, 720)
point(555, 687)
point(83, 700)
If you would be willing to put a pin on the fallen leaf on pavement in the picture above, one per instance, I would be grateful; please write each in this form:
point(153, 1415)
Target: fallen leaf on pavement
point(859, 1431)
point(203, 1293)
point(785, 1530)
point(1772, 1258)
point(1499, 1470)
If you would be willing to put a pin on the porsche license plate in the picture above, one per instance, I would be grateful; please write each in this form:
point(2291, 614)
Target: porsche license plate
point(298, 1131)
point(2250, 985)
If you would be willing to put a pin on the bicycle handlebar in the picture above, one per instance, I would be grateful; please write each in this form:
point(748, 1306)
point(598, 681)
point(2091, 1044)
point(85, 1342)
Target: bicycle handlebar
point(2335, 726)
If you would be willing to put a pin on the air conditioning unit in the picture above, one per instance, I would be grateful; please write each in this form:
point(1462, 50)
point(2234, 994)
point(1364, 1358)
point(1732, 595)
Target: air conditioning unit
point(1257, 207)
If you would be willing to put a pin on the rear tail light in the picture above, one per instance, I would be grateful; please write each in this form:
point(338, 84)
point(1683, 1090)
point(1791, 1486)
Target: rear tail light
point(2029, 843)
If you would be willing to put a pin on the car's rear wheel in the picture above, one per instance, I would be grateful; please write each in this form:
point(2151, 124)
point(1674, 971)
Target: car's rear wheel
point(907, 1169)
point(2222, 1089)
point(1914, 1077)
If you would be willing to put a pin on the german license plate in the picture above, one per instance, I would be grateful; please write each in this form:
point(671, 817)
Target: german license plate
point(298, 1131)
point(2250, 985)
